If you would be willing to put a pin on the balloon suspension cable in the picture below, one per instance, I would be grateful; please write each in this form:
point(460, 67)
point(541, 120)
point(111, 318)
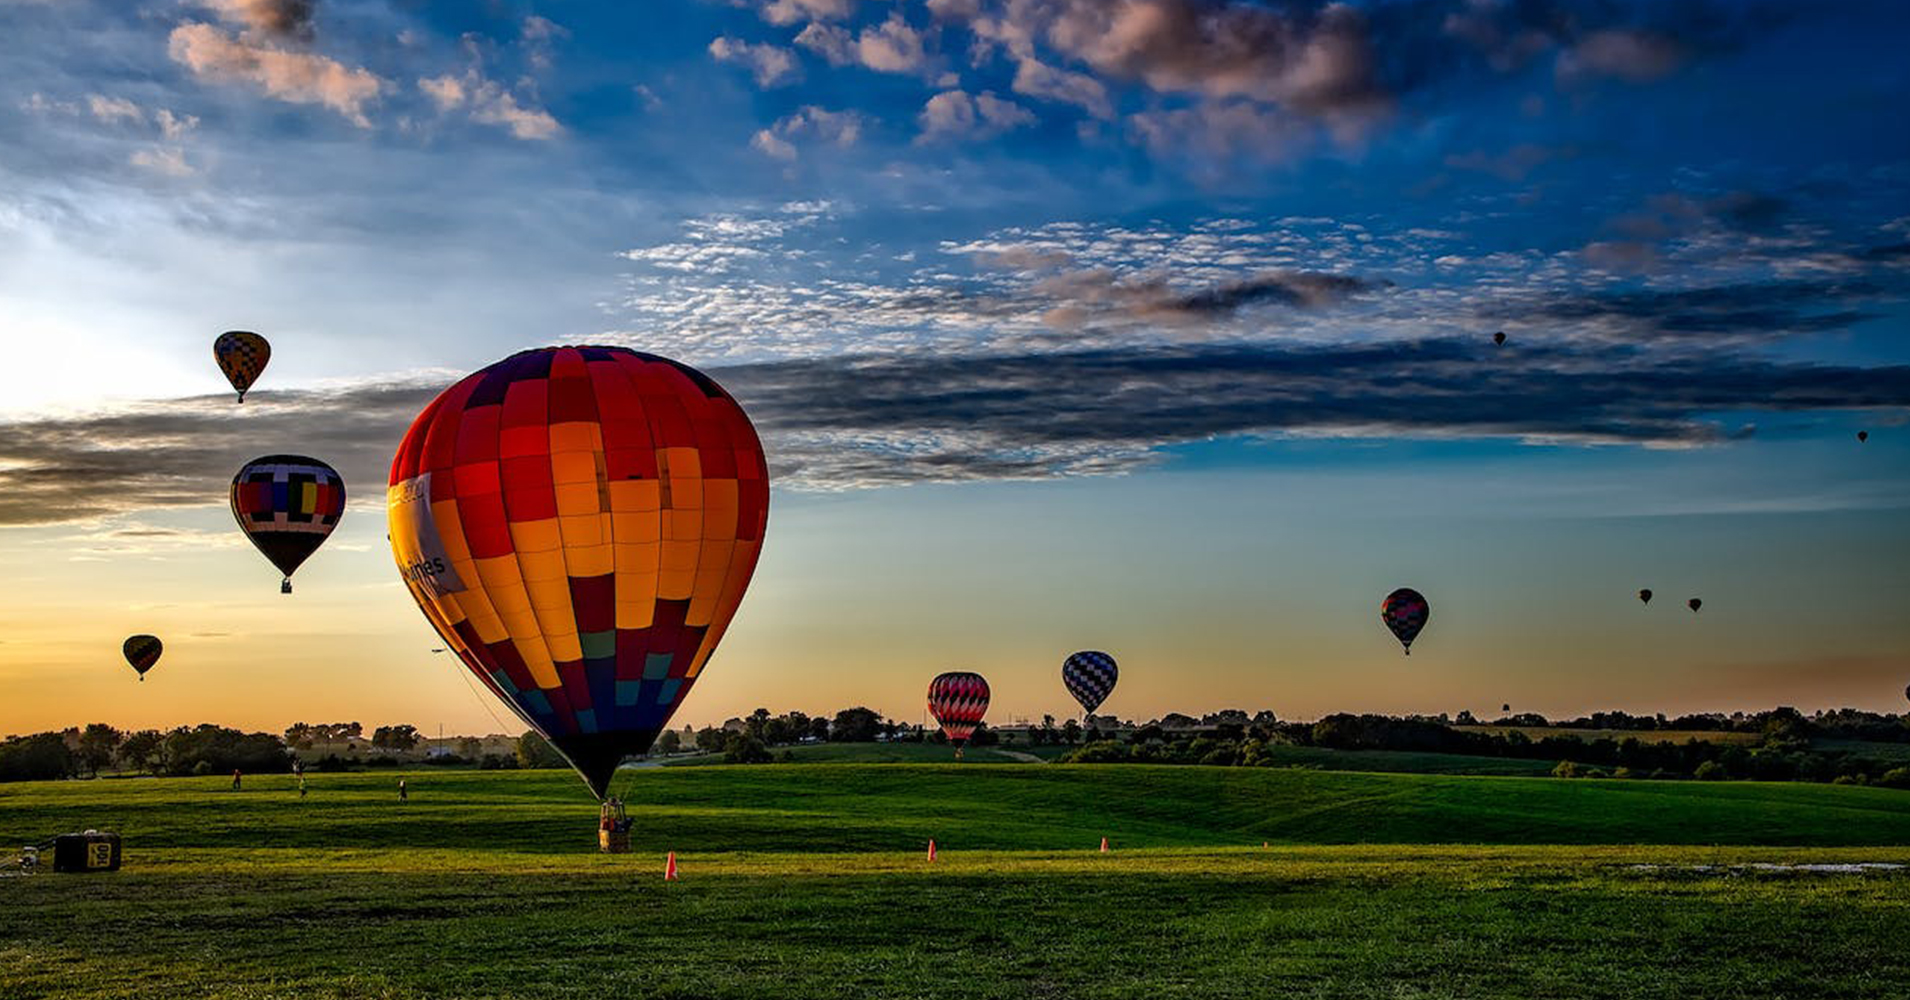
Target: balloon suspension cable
point(457, 667)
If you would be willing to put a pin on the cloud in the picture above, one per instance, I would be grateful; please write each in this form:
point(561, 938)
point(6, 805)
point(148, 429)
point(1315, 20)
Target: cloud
point(183, 452)
point(286, 19)
point(166, 160)
point(955, 114)
point(841, 128)
point(793, 11)
point(536, 37)
point(490, 104)
point(834, 44)
point(868, 420)
point(295, 77)
point(891, 47)
point(1037, 79)
point(114, 109)
point(769, 64)
point(1632, 56)
point(1214, 133)
point(1513, 164)
point(1759, 309)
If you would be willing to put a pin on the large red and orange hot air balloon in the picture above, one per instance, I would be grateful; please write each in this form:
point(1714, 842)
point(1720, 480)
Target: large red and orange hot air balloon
point(958, 700)
point(579, 524)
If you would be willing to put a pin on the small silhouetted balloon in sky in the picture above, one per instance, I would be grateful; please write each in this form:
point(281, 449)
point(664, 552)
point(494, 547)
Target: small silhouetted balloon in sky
point(1405, 612)
point(1863, 436)
point(142, 651)
point(242, 355)
point(1694, 604)
point(1499, 338)
point(1645, 595)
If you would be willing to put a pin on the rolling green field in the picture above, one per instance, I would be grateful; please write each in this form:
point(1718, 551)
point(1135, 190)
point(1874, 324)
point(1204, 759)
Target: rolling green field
point(807, 880)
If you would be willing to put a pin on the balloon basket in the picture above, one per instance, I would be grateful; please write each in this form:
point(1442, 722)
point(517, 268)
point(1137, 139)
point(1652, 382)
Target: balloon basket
point(613, 828)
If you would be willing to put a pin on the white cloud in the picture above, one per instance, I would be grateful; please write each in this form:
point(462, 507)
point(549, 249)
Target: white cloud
point(295, 77)
point(769, 64)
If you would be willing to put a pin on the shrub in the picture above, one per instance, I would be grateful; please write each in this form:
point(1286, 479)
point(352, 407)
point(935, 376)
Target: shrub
point(1566, 769)
point(1710, 770)
point(1896, 777)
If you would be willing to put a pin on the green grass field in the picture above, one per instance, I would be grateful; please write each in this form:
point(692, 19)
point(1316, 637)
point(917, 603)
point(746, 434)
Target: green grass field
point(807, 880)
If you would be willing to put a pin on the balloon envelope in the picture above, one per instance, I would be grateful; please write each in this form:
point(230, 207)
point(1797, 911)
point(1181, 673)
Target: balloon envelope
point(241, 355)
point(1404, 611)
point(1645, 595)
point(579, 524)
point(958, 700)
point(1499, 338)
point(1863, 436)
point(288, 505)
point(1089, 676)
point(1695, 603)
point(142, 651)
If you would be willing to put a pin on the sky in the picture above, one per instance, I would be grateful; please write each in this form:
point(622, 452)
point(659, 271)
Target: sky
point(1162, 327)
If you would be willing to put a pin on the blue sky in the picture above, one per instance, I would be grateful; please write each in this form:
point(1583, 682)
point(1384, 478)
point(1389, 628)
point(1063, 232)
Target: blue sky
point(1155, 325)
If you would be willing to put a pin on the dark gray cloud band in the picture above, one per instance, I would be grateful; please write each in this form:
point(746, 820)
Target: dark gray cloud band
point(846, 422)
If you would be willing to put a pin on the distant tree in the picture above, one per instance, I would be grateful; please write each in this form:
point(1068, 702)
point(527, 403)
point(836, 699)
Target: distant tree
point(1099, 752)
point(757, 724)
point(1071, 732)
point(533, 750)
point(669, 742)
point(1465, 719)
point(98, 744)
point(742, 748)
point(402, 737)
point(299, 735)
point(39, 757)
point(819, 728)
point(1710, 770)
point(855, 725)
point(1896, 777)
point(471, 746)
point(210, 749)
point(141, 750)
point(710, 739)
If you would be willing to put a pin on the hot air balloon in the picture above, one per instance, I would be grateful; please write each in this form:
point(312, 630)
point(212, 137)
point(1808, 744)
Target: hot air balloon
point(288, 505)
point(142, 651)
point(1645, 595)
point(1404, 611)
point(579, 524)
point(1863, 436)
point(1090, 677)
point(1694, 604)
point(958, 700)
point(1507, 707)
point(242, 355)
point(1499, 338)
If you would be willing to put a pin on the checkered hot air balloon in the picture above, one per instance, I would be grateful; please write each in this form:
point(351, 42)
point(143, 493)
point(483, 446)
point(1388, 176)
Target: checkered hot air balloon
point(288, 505)
point(579, 524)
point(142, 651)
point(242, 355)
point(958, 700)
point(1090, 677)
point(1404, 611)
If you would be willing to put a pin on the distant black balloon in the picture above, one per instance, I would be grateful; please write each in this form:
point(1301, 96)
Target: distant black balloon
point(1694, 604)
point(1863, 436)
point(1499, 338)
point(1645, 595)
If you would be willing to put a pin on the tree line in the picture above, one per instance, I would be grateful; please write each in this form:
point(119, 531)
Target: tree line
point(1784, 749)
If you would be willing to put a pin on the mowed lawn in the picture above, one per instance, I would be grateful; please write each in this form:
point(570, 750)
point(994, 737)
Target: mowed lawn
point(810, 880)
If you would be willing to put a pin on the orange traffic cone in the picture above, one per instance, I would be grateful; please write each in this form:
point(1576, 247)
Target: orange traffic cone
point(1104, 845)
point(669, 868)
point(931, 849)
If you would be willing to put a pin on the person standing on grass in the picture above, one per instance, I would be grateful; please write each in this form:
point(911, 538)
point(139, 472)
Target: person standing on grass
point(301, 786)
point(403, 795)
point(235, 779)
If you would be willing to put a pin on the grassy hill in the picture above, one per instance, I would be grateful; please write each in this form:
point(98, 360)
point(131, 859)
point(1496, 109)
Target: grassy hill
point(898, 807)
point(806, 880)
